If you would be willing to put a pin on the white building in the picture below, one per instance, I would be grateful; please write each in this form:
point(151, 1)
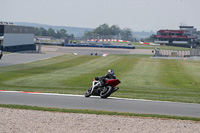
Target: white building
point(15, 38)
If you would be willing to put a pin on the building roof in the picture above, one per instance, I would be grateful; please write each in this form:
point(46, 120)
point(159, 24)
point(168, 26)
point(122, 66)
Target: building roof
point(190, 27)
point(6, 23)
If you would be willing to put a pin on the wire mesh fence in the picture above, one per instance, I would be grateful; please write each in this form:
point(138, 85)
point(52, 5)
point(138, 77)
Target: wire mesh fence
point(177, 53)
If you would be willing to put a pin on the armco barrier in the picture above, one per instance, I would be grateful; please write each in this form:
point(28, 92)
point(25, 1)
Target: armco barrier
point(99, 46)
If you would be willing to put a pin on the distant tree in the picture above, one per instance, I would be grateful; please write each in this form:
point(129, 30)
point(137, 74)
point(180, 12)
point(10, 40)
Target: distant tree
point(126, 34)
point(51, 32)
point(43, 31)
point(115, 30)
point(58, 34)
point(149, 39)
point(63, 33)
point(71, 37)
point(103, 29)
point(37, 32)
point(88, 33)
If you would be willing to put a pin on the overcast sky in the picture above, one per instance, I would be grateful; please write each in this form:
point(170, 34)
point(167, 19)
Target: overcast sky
point(139, 15)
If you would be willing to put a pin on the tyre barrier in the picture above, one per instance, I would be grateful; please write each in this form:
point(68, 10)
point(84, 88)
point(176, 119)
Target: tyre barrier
point(99, 46)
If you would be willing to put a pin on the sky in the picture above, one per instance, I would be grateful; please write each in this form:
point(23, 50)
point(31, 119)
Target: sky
point(138, 15)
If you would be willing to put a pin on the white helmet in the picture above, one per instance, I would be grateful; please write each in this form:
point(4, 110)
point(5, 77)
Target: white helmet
point(111, 71)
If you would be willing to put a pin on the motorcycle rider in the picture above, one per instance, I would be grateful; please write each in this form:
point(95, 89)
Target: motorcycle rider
point(109, 75)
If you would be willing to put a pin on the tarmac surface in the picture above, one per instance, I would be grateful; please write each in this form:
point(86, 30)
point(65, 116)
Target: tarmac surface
point(52, 51)
point(96, 103)
point(19, 58)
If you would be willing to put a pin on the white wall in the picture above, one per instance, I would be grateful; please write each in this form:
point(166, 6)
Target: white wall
point(180, 42)
point(161, 42)
point(18, 39)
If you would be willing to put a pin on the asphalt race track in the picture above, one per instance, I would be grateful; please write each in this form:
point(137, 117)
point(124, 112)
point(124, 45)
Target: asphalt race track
point(96, 103)
point(18, 58)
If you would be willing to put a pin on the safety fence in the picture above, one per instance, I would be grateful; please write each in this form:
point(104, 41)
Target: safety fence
point(177, 53)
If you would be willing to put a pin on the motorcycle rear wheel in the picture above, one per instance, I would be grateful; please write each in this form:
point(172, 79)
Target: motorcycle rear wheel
point(88, 92)
point(106, 93)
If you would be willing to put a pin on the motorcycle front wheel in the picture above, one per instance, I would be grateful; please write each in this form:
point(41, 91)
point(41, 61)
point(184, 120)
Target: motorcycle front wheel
point(106, 92)
point(88, 92)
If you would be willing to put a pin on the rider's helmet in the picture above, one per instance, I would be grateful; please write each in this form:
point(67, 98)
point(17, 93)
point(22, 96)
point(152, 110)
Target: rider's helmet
point(110, 71)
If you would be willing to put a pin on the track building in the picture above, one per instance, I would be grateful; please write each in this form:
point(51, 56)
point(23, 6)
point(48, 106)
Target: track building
point(15, 38)
point(186, 35)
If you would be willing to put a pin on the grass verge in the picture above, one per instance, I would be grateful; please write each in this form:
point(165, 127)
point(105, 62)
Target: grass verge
point(86, 111)
point(141, 77)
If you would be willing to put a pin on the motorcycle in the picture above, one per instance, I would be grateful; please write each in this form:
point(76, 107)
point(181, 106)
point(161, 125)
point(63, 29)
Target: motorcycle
point(103, 91)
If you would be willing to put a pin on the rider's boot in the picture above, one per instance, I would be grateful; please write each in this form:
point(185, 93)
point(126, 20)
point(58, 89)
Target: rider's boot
point(115, 89)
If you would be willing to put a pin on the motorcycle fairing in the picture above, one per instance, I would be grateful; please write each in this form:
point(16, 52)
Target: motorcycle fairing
point(112, 82)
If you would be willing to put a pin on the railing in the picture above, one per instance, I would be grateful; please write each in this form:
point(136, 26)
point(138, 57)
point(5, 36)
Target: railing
point(195, 52)
point(173, 53)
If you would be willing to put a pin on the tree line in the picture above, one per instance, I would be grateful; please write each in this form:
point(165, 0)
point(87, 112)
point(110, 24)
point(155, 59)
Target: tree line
point(105, 31)
point(62, 33)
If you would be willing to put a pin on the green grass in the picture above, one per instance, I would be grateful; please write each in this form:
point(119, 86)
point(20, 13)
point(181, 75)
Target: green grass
point(85, 111)
point(141, 77)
